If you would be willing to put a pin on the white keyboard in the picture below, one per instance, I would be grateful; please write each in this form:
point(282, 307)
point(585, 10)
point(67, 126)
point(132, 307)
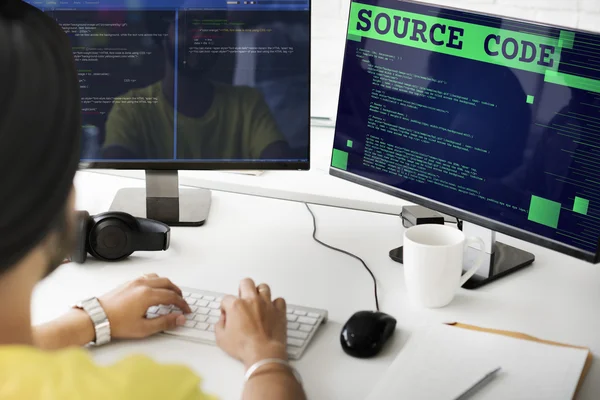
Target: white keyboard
point(302, 322)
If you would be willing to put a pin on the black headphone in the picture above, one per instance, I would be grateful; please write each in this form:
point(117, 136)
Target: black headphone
point(113, 236)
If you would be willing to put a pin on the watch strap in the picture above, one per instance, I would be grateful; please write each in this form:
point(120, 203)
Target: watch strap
point(99, 318)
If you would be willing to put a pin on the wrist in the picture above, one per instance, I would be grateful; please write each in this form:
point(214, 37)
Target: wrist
point(262, 351)
point(82, 327)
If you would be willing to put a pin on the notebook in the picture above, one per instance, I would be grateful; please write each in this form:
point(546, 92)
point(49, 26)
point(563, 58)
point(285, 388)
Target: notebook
point(436, 365)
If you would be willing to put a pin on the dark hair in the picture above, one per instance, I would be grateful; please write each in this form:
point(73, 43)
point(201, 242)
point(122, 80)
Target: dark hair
point(40, 124)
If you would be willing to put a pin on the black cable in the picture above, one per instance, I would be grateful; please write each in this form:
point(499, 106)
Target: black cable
point(314, 235)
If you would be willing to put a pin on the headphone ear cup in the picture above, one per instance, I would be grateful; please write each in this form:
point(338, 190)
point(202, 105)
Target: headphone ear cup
point(82, 222)
point(110, 238)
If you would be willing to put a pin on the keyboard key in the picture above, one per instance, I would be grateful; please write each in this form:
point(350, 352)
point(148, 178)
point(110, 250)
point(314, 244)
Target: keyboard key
point(211, 328)
point(313, 315)
point(291, 318)
point(162, 310)
point(295, 342)
point(300, 312)
point(193, 333)
point(191, 302)
point(297, 334)
point(190, 317)
point(153, 310)
point(290, 310)
point(215, 313)
point(202, 303)
point(209, 298)
point(202, 310)
point(293, 325)
point(200, 318)
point(152, 316)
point(176, 309)
point(214, 305)
point(189, 324)
point(307, 320)
point(201, 326)
point(185, 294)
point(196, 296)
point(294, 352)
point(194, 308)
point(305, 328)
point(219, 299)
point(212, 320)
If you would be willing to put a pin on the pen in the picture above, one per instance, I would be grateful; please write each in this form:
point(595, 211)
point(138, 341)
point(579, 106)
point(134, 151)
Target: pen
point(478, 385)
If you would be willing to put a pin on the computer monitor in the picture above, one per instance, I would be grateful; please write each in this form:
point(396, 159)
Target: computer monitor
point(493, 120)
point(170, 85)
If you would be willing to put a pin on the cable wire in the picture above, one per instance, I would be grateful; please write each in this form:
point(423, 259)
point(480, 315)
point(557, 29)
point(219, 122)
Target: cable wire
point(314, 235)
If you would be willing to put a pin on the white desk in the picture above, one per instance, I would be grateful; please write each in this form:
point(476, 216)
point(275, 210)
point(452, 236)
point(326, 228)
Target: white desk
point(270, 240)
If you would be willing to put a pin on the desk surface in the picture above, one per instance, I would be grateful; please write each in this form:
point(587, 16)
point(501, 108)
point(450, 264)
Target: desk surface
point(270, 240)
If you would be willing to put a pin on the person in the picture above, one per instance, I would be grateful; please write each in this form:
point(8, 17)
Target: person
point(39, 144)
point(215, 120)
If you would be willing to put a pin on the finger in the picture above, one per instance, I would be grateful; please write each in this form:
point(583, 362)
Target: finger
point(264, 291)
point(247, 289)
point(163, 283)
point(227, 303)
point(163, 323)
point(220, 325)
point(149, 276)
point(280, 305)
point(166, 297)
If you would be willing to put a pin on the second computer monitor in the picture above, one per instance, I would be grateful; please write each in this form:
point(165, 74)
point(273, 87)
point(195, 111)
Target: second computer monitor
point(490, 119)
point(194, 84)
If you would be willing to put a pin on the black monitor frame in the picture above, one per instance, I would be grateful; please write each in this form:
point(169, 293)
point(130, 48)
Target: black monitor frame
point(465, 215)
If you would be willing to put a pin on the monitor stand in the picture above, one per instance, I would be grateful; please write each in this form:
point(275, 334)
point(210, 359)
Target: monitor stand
point(500, 259)
point(163, 201)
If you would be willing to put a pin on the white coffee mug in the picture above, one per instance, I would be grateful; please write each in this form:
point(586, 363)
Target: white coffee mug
point(433, 263)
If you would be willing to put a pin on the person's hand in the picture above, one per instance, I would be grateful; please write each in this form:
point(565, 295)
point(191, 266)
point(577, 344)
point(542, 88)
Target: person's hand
point(126, 307)
point(252, 327)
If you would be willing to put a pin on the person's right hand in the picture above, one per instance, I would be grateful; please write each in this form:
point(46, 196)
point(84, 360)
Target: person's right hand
point(252, 327)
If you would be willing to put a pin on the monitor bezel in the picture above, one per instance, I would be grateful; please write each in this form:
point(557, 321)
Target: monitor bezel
point(212, 165)
point(461, 214)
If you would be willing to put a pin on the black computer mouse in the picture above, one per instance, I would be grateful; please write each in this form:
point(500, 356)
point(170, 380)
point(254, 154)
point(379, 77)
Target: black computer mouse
point(365, 333)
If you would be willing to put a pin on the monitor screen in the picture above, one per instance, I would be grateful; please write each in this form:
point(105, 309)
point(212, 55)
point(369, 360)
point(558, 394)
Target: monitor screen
point(191, 81)
point(492, 119)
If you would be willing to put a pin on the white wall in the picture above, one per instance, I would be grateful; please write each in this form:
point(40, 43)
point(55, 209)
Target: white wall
point(330, 19)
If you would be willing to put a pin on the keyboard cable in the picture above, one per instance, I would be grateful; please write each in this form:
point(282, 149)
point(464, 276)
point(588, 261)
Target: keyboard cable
point(314, 235)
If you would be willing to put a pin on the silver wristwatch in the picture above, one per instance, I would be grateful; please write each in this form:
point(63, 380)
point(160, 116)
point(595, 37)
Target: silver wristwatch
point(101, 324)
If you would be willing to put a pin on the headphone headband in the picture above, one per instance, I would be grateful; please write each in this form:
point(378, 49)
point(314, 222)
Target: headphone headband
point(154, 235)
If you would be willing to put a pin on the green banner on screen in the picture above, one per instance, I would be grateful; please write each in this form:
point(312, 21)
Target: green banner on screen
point(511, 49)
point(524, 51)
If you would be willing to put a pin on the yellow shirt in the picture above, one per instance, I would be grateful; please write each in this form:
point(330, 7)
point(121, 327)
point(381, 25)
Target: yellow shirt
point(28, 373)
point(237, 126)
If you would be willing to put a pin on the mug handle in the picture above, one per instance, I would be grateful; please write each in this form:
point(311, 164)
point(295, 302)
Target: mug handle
point(471, 272)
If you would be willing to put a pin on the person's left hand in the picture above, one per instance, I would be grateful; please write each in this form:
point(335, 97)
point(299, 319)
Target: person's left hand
point(126, 307)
